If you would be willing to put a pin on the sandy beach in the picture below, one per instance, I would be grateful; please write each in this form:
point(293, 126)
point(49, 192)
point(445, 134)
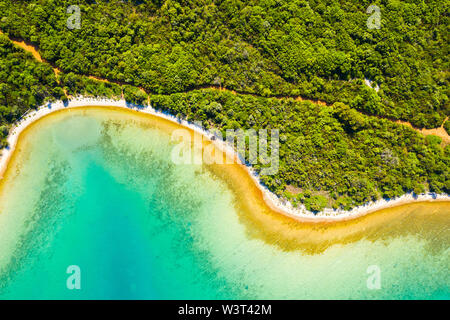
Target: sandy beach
point(271, 200)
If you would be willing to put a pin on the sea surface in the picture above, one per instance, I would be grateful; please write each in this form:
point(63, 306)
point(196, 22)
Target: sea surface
point(97, 189)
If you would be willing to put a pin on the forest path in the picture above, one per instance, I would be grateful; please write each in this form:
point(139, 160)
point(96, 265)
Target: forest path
point(440, 131)
point(34, 50)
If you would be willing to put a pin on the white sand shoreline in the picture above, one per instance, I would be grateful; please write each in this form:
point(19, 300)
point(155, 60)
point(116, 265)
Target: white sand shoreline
point(300, 213)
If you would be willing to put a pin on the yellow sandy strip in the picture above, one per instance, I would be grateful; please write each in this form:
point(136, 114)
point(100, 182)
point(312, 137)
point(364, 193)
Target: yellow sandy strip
point(266, 222)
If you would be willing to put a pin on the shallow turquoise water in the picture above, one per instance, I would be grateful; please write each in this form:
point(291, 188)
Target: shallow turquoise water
point(101, 193)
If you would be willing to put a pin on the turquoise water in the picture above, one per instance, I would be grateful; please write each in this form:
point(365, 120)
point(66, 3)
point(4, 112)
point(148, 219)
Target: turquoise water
point(99, 191)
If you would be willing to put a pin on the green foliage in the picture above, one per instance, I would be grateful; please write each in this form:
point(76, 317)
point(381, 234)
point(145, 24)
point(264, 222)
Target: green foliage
point(317, 49)
point(316, 203)
point(351, 119)
point(24, 84)
point(135, 96)
point(76, 85)
point(433, 140)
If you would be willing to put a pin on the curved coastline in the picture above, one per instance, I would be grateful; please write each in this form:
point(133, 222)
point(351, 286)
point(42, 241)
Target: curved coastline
point(271, 200)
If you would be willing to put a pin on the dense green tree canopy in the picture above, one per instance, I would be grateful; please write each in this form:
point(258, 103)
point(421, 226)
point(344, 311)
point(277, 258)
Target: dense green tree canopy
point(316, 49)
